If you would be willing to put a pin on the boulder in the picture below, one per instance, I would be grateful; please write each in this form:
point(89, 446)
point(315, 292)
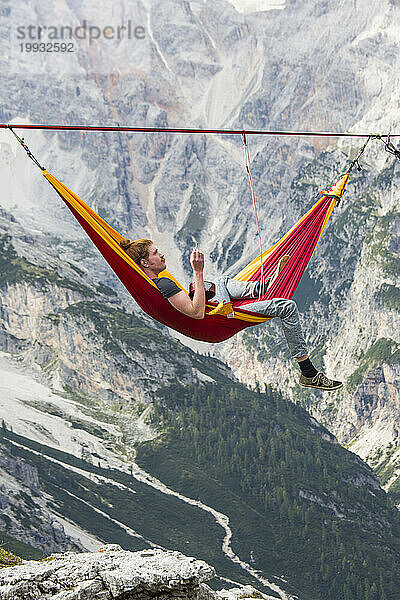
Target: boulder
point(109, 574)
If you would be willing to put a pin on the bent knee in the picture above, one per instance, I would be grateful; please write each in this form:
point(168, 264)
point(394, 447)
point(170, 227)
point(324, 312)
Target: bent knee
point(221, 279)
point(290, 307)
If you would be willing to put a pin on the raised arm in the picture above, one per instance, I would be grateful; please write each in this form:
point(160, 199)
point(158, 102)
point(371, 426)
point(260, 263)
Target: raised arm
point(193, 308)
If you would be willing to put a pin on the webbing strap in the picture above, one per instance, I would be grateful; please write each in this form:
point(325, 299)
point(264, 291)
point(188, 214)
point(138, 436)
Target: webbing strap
point(190, 130)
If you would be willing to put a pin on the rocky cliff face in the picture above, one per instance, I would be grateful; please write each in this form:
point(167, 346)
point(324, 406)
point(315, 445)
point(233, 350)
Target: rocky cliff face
point(349, 308)
point(26, 513)
point(203, 64)
point(76, 330)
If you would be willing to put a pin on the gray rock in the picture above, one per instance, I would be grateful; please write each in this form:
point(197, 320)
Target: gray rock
point(110, 573)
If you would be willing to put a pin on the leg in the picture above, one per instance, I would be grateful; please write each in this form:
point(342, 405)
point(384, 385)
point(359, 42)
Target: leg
point(288, 312)
point(227, 289)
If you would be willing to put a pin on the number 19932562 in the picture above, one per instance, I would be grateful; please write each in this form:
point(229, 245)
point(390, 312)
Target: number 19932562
point(47, 47)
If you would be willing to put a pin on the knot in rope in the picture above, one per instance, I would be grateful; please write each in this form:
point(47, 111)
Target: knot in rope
point(389, 146)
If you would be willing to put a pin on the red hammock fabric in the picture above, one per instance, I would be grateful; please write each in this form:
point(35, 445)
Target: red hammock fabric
point(299, 243)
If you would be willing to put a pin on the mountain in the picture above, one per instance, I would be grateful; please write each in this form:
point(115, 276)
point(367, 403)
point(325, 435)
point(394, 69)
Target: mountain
point(349, 309)
point(187, 459)
point(206, 64)
point(68, 326)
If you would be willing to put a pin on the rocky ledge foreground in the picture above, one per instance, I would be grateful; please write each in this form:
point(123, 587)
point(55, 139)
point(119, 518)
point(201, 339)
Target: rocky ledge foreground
point(113, 574)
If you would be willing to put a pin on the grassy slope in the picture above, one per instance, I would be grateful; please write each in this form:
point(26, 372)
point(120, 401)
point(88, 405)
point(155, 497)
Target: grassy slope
point(164, 520)
point(13, 550)
point(249, 455)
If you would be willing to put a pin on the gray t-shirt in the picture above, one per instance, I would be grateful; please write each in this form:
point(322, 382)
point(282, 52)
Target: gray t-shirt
point(166, 286)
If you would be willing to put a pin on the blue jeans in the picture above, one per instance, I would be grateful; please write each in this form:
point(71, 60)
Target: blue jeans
point(227, 289)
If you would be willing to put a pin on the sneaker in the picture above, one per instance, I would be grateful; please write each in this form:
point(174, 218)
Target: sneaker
point(320, 382)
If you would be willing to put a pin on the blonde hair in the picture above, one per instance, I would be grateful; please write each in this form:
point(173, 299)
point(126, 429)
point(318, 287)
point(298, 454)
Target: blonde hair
point(136, 249)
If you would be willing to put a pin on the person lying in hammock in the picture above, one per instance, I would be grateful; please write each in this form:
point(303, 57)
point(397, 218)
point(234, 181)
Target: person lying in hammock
point(152, 262)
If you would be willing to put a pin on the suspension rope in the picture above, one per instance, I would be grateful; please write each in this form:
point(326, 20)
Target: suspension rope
point(355, 161)
point(25, 147)
point(389, 147)
point(253, 196)
point(190, 131)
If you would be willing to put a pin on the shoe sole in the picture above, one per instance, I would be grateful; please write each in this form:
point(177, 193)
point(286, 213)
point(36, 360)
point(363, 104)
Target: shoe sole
point(317, 387)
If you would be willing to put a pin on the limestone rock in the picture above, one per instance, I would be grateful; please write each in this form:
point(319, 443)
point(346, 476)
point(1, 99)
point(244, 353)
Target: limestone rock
point(247, 592)
point(111, 573)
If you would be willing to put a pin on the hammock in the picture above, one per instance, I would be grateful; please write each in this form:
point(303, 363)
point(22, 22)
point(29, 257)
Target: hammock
point(299, 243)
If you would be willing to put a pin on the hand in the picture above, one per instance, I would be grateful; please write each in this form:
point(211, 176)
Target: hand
point(197, 261)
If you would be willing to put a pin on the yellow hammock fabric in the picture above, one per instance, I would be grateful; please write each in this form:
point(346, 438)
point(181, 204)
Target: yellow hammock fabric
point(299, 243)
